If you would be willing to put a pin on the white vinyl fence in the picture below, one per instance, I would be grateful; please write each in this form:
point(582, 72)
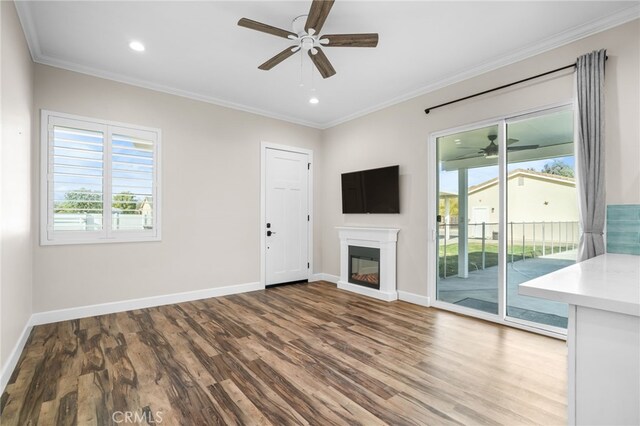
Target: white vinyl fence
point(92, 222)
point(524, 240)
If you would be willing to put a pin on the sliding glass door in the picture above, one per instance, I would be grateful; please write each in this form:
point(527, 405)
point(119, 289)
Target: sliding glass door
point(506, 212)
point(467, 225)
point(542, 210)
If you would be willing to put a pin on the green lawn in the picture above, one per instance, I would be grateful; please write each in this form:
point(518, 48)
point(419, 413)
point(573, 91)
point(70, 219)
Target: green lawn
point(490, 256)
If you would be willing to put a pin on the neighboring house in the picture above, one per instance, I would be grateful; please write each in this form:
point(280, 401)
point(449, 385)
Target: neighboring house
point(532, 197)
point(448, 214)
point(146, 208)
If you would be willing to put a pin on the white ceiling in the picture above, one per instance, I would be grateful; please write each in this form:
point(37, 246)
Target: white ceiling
point(196, 49)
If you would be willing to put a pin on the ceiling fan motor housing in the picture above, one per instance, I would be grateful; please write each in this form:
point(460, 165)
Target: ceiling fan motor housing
point(307, 43)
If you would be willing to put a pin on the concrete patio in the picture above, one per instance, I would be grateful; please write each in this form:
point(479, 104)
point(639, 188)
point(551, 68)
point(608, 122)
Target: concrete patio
point(480, 289)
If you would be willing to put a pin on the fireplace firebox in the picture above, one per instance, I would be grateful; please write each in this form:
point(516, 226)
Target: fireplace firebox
point(364, 266)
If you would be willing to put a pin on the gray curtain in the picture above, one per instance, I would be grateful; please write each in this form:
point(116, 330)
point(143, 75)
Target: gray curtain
point(590, 152)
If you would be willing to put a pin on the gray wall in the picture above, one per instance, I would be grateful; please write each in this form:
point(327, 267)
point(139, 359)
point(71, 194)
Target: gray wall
point(210, 196)
point(16, 242)
point(400, 134)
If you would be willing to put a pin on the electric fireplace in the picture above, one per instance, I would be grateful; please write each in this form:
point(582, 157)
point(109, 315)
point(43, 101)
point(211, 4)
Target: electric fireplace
point(368, 261)
point(364, 266)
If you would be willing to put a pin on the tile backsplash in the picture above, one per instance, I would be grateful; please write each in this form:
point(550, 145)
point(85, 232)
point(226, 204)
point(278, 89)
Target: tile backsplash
point(623, 229)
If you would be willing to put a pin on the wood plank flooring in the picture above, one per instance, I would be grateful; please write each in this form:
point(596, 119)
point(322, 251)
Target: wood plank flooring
point(298, 354)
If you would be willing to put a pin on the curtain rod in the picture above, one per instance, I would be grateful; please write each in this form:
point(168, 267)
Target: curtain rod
point(428, 110)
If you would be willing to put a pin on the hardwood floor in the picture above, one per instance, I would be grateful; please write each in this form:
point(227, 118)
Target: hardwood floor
point(299, 354)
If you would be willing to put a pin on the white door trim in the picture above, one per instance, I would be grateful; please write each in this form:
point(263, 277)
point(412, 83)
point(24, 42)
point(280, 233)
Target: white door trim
point(263, 206)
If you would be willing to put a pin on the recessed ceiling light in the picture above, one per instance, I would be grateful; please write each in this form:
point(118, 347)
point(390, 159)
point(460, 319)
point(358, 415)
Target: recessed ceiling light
point(137, 46)
point(313, 100)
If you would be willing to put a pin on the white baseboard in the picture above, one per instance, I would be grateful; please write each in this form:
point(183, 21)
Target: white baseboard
point(325, 277)
point(416, 299)
point(366, 291)
point(12, 361)
point(110, 308)
point(146, 302)
point(331, 278)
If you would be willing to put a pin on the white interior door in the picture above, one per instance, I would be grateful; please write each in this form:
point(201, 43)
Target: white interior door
point(287, 216)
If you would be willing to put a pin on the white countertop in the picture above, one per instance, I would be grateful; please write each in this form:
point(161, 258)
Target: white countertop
point(609, 282)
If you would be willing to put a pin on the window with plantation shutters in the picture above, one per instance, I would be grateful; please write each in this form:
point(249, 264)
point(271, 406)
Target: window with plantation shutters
point(100, 181)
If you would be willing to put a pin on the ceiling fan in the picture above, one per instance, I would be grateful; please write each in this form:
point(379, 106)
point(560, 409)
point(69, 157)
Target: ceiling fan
point(491, 150)
point(306, 36)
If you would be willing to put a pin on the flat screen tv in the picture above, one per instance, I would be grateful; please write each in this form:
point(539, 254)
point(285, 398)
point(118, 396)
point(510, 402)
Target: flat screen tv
point(371, 191)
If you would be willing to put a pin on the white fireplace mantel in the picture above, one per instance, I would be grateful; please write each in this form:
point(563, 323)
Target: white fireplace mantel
point(384, 239)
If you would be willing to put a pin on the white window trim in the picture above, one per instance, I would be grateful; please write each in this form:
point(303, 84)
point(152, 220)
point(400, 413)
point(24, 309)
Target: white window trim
point(107, 235)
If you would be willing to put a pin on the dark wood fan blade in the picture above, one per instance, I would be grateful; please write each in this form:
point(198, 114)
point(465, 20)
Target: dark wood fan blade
point(277, 59)
point(472, 155)
point(522, 148)
point(351, 40)
point(259, 26)
point(321, 62)
point(318, 14)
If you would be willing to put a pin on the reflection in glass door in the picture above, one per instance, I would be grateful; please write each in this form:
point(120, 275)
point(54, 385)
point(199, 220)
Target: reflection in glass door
point(507, 212)
point(542, 210)
point(467, 228)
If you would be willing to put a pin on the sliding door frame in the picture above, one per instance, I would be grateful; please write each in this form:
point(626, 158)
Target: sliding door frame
point(432, 212)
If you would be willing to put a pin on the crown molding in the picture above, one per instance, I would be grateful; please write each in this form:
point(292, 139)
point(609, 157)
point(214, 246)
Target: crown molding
point(573, 34)
point(36, 54)
point(561, 39)
point(29, 28)
point(120, 78)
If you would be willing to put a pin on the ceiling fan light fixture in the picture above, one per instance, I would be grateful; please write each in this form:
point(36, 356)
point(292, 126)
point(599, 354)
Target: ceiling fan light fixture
point(307, 43)
point(491, 156)
point(313, 100)
point(136, 46)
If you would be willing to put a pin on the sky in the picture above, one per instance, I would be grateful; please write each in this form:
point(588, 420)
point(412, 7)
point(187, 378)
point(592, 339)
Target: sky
point(78, 156)
point(449, 180)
